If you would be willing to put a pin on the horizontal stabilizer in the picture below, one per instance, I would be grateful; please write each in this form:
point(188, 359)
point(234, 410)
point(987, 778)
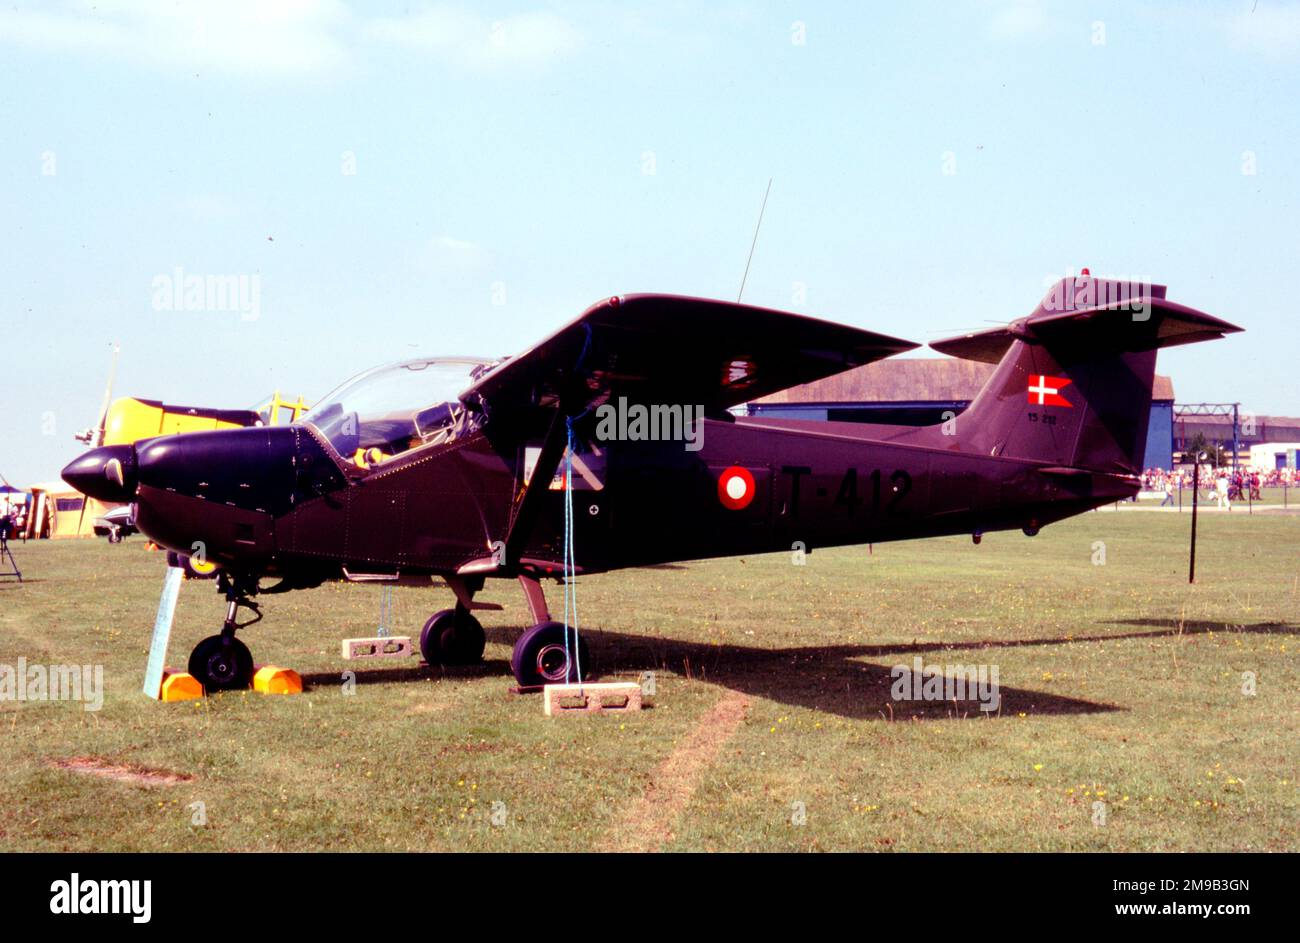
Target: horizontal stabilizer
point(670, 349)
point(1093, 315)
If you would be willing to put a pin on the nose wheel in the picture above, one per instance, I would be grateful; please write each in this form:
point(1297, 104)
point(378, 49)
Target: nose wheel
point(222, 663)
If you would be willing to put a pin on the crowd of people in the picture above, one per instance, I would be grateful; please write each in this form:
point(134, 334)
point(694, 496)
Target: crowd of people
point(1223, 485)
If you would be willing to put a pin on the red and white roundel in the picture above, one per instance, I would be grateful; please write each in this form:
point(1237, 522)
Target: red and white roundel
point(735, 488)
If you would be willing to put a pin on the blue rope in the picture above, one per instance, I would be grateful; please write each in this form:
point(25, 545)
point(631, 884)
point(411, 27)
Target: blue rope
point(570, 564)
point(385, 611)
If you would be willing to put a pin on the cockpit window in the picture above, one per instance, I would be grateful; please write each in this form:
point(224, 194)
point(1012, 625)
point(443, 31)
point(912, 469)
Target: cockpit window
point(396, 407)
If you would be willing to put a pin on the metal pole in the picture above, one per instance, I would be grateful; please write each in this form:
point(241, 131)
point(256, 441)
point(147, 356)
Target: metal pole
point(1196, 489)
point(1234, 437)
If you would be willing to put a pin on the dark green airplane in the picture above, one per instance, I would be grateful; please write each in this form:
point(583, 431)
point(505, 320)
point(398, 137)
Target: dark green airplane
point(456, 469)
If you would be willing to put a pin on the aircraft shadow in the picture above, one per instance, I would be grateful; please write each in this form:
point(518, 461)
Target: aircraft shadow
point(826, 678)
point(830, 678)
point(420, 672)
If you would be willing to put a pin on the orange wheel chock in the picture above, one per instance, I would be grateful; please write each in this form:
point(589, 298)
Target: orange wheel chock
point(180, 686)
point(268, 679)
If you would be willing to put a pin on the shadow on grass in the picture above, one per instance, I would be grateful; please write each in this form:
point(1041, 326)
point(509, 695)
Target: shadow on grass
point(822, 678)
point(421, 672)
point(830, 678)
point(826, 678)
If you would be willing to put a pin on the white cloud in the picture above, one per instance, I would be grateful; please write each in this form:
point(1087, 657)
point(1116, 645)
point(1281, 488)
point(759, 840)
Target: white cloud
point(470, 40)
point(227, 36)
point(1269, 29)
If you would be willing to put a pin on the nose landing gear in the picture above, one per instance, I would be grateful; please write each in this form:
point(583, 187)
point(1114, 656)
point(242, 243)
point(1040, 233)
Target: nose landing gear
point(222, 662)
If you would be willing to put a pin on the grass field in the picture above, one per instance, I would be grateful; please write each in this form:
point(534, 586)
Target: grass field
point(773, 728)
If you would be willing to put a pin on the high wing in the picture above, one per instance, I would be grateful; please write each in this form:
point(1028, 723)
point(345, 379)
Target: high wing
point(676, 350)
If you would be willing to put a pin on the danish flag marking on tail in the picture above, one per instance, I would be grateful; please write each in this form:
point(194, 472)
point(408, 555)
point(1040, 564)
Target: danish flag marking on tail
point(1046, 391)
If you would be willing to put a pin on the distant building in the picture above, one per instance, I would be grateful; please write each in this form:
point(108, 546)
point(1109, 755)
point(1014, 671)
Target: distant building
point(1274, 455)
point(916, 391)
point(1260, 439)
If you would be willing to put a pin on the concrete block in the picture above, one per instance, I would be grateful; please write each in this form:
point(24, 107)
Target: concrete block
point(391, 646)
point(616, 696)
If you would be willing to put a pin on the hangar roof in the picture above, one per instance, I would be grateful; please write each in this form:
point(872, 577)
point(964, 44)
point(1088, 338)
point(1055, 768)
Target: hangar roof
point(1219, 428)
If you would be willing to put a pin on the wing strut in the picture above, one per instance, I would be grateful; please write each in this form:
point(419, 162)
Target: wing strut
point(527, 507)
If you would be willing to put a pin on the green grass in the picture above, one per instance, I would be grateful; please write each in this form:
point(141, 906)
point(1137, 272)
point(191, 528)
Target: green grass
point(1118, 681)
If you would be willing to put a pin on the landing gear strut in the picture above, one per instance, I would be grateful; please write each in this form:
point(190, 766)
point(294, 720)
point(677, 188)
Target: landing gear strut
point(222, 662)
point(543, 654)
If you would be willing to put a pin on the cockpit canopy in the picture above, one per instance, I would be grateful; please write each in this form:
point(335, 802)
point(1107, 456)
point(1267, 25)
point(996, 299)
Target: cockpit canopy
point(398, 406)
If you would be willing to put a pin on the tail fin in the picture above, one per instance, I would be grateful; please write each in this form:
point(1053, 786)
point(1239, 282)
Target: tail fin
point(1073, 383)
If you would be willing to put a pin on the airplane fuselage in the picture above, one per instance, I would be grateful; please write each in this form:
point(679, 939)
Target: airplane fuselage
point(275, 501)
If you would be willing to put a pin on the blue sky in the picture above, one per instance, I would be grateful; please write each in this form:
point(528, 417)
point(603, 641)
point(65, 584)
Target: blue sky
point(462, 178)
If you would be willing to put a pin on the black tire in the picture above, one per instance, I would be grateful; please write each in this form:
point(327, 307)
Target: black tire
point(539, 656)
point(452, 637)
point(431, 635)
point(463, 641)
point(221, 664)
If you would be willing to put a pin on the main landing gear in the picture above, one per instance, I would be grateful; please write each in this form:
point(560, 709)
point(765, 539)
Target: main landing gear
point(547, 653)
point(543, 654)
point(452, 637)
point(222, 662)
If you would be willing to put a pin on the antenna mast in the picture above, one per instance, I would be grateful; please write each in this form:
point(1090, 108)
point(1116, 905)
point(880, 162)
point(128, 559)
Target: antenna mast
point(745, 277)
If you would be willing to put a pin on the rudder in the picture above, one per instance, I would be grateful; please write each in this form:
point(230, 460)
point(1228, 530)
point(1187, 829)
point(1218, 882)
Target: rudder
point(1074, 379)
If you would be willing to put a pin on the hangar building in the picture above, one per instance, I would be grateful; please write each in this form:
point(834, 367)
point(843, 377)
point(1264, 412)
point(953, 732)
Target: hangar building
point(916, 391)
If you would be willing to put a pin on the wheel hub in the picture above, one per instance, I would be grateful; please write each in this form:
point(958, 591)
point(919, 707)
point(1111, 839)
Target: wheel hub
point(553, 663)
point(221, 668)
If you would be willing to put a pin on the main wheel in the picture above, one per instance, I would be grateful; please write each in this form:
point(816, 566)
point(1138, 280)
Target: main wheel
point(540, 657)
point(222, 664)
point(452, 637)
